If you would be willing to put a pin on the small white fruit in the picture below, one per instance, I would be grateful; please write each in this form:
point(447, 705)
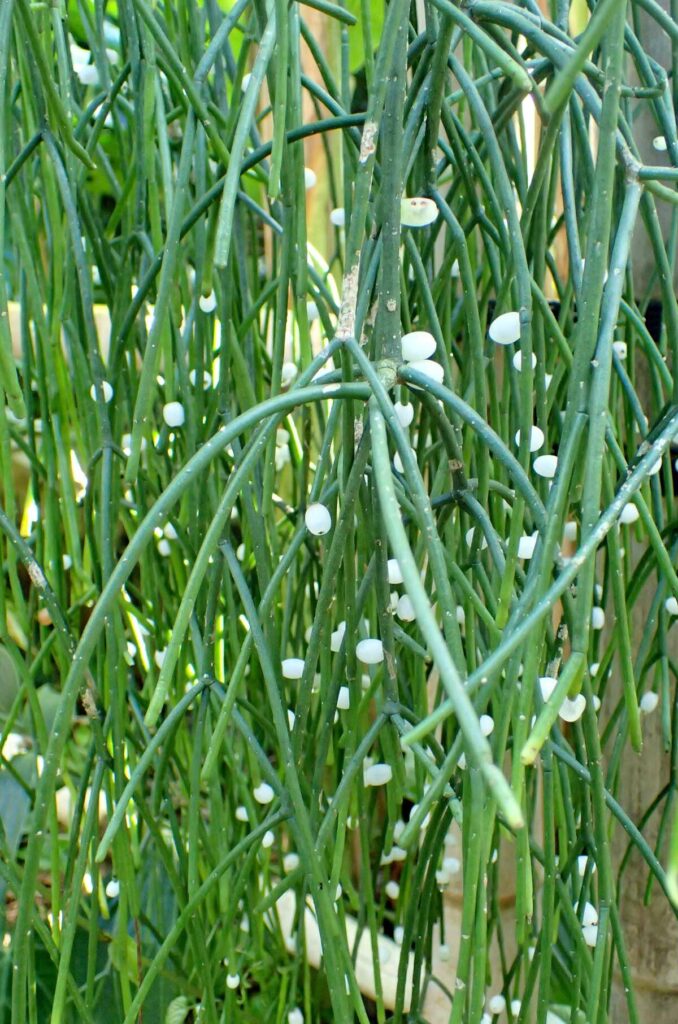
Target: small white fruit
point(429, 368)
point(208, 303)
point(395, 575)
point(263, 793)
point(417, 345)
point(545, 466)
point(536, 438)
point(417, 212)
point(648, 702)
point(318, 519)
point(572, 710)
point(405, 609)
point(292, 668)
point(377, 774)
point(174, 414)
point(344, 698)
point(405, 414)
point(505, 329)
point(370, 651)
point(486, 724)
point(106, 391)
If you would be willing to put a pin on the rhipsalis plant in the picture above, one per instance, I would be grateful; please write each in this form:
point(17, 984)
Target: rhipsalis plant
point(338, 420)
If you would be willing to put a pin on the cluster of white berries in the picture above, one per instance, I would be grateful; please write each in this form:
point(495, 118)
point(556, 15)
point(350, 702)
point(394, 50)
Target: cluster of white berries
point(505, 329)
point(282, 449)
point(164, 537)
point(401, 604)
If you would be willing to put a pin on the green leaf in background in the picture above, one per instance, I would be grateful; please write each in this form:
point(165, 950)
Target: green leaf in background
point(359, 33)
point(177, 1011)
point(14, 807)
point(9, 684)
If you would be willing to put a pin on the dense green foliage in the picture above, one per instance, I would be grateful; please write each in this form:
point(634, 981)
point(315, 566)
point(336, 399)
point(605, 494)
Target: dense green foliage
point(168, 774)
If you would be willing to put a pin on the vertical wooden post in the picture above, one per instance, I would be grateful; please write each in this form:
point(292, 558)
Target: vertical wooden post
point(651, 930)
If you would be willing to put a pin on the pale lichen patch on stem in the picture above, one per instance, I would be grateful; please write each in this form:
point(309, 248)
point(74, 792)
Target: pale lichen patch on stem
point(37, 575)
point(368, 143)
point(349, 300)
